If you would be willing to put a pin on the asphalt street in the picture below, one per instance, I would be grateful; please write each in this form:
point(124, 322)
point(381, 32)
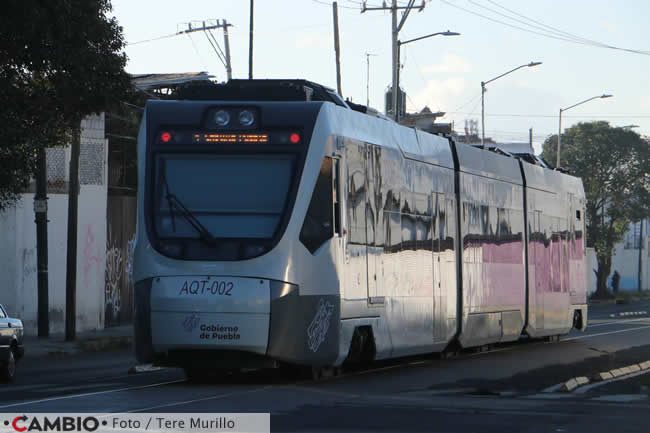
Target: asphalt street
point(500, 390)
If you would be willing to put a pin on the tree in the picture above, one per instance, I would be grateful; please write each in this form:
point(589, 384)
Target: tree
point(59, 61)
point(614, 164)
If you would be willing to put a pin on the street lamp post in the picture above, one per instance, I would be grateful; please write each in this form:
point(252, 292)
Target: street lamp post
point(559, 129)
point(483, 83)
point(399, 45)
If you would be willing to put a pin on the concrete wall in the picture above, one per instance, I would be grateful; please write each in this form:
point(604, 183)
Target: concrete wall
point(590, 266)
point(18, 276)
point(626, 262)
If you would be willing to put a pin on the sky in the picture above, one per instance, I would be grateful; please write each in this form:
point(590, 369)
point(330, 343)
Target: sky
point(295, 39)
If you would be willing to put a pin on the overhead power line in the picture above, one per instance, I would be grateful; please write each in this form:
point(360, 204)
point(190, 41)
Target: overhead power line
point(152, 39)
point(554, 116)
point(548, 32)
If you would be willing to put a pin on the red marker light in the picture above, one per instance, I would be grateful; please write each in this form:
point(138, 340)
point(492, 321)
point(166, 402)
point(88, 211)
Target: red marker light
point(294, 138)
point(165, 137)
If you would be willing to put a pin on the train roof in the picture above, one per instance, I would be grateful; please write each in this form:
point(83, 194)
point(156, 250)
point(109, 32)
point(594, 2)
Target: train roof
point(367, 124)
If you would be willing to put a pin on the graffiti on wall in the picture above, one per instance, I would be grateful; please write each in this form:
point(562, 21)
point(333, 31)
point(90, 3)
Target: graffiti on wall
point(130, 251)
point(114, 269)
point(88, 258)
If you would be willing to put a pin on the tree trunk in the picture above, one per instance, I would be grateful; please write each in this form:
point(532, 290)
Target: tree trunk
point(604, 268)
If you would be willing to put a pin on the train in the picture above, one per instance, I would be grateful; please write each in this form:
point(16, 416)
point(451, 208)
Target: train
point(278, 224)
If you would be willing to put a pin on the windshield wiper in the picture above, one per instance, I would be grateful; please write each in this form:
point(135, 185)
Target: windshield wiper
point(174, 202)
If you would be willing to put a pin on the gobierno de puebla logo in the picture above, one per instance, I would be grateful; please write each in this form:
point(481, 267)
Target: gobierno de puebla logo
point(24, 423)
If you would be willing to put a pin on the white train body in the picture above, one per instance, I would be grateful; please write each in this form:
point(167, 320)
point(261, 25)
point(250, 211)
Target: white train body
point(362, 240)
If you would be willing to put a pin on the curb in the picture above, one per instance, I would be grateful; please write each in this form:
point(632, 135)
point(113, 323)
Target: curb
point(105, 344)
point(576, 382)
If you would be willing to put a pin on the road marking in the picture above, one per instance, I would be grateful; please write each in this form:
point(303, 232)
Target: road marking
point(63, 388)
point(618, 322)
point(64, 397)
point(196, 400)
point(605, 333)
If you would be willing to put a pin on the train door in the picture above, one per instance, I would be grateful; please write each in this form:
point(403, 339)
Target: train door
point(356, 269)
point(449, 269)
point(538, 256)
point(438, 328)
point(372, 209)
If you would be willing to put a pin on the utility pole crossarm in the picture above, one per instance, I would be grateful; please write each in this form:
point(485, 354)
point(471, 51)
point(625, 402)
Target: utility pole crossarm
point(203, 28)
point(223, 56)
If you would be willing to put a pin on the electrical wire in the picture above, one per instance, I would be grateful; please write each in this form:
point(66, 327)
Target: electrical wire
point(152, 39)
point(196, 49)
point(325, 3)
point(467, 103)
point(547, 35)
point(558, 31)
point(551, 116)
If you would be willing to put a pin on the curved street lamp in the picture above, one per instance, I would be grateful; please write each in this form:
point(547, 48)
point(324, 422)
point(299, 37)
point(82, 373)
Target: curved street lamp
point(559, 129)
point(483, 83)
point(399, 44)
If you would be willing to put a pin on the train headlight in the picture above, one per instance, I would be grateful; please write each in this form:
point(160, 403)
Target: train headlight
point(246, 118)
point(222, 118)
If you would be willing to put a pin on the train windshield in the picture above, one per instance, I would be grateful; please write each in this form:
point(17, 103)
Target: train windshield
point(220, 196)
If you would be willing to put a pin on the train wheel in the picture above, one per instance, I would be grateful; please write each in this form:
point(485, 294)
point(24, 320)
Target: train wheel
point(318, 373)
point(577, 319)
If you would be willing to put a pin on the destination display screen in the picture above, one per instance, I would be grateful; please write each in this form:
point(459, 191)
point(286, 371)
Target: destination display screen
point(246, 137)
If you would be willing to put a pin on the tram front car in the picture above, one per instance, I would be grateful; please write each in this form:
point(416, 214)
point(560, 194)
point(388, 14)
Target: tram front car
point(238, 232)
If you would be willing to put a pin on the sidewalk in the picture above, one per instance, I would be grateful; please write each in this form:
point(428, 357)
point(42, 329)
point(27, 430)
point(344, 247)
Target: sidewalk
point(114, 338)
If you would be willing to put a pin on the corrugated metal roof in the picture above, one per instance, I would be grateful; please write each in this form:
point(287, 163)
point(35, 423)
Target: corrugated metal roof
point(154, 81)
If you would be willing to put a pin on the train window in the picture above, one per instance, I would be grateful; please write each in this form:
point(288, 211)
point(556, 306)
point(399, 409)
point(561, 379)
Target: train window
point(221, 192)
point(336, 197)
point(318, 225)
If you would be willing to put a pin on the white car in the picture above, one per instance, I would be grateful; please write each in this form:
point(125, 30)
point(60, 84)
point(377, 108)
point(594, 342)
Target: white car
point(11, 345)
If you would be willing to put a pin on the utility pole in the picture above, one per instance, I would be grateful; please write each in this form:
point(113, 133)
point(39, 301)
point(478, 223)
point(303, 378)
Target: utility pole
point(250, 46)
point(226, 45)
point(71, 252)
point(337, 48)
point(40, 211)
point(394, 44)
point(530, 138)
point(368, 77)
point(395, 63)
point(223, 56)
point(482, 115)
point(640, 276)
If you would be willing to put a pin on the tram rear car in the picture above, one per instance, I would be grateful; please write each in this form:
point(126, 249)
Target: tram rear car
point(309, 233)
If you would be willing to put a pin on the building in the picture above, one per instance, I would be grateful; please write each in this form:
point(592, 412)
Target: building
point(18, 273)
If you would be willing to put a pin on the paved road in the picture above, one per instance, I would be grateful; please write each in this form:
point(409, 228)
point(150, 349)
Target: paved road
point(494, 391)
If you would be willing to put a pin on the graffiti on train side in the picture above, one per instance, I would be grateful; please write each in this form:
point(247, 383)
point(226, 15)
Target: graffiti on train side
point(317, 330)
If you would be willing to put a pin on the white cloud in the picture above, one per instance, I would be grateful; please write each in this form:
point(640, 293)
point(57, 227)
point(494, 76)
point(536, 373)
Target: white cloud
point(451, 64)
point(440, 94)
point(609, 26)
point(645, 102)
point(313, 40)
